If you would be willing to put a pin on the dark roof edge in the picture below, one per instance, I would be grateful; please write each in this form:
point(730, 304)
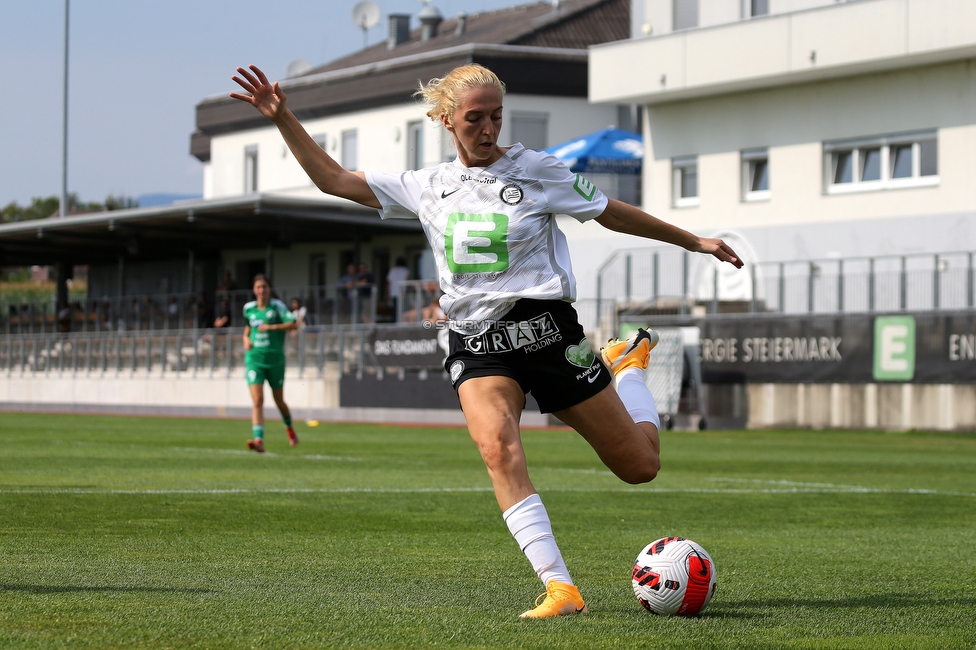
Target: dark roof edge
point(470, 49)
point(188, 208)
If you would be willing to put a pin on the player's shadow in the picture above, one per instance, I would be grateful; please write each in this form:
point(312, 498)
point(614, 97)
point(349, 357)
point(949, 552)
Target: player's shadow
point(61, 589)
point(749, 608)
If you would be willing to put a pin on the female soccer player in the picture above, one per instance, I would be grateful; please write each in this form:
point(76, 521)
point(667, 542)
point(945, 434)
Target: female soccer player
point(267, 319)
point(504, 270)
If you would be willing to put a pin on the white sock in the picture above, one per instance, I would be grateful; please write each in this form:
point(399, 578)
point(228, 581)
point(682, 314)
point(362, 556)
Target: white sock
point(529, 524)
point(637, 397)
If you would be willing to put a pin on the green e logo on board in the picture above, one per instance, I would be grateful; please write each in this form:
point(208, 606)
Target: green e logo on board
point(894, 348)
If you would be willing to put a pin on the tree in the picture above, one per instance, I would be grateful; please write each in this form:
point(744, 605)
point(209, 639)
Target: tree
point(38, 209)
point(42, 208)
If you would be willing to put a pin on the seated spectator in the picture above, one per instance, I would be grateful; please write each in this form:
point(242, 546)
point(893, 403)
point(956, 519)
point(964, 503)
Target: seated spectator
point(397, 274)
point(64, 319)
point(173, 311)
point(432, 313)
point(347, 282)
point(204, 312)
point(228, 283)
point(364, 282)
point(223, 315)
point(298, 311)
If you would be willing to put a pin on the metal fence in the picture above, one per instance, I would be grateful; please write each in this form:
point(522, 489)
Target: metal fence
point(210, 352)
point(323, 305)
point(670, 280)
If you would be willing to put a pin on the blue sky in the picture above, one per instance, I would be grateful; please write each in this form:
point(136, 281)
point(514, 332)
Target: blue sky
point(137, 69)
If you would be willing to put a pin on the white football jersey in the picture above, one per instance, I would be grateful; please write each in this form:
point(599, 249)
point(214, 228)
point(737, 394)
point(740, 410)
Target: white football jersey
point(493, 229)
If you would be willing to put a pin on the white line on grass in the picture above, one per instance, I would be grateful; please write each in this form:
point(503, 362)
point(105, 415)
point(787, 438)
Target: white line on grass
point(232, 491)
point(248, 452)
point(268, 454)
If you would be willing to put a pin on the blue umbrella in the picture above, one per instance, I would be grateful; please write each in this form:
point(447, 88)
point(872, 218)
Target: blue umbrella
point(608, 151)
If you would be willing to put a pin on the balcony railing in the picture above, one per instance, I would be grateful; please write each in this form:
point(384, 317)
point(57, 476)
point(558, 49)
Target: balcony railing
point(313, 351)
point(670, 280)
point(323, 305)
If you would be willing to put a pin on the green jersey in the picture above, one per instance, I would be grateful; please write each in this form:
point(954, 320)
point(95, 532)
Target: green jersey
point(269, 347)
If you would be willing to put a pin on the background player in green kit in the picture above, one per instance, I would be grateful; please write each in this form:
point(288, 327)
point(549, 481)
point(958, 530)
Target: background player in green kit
point(267, 320)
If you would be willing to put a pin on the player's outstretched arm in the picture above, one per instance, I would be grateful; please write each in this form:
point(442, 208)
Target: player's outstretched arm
point(625, 218)
point(326, 173)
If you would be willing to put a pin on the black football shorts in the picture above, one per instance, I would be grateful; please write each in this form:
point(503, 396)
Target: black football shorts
point(541, 345)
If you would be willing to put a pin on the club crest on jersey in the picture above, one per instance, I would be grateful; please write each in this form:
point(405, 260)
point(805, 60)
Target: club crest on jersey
point(511, 194)
point(456, 369)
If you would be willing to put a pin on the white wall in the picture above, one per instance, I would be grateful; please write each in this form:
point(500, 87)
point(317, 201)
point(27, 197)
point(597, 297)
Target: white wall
point(217, 396)
point(658, 13)
point(718, 12)
point(835, 40)
point(793, 122)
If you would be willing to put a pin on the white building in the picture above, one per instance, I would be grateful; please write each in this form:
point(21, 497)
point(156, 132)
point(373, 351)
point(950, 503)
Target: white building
point(816, 128)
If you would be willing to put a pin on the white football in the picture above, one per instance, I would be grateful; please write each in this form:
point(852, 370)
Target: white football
point(674, 575)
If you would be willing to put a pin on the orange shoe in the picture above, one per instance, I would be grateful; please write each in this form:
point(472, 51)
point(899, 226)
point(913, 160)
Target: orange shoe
point(634, 352)
point(560, 599)
point(292, 437)
point(257, 445)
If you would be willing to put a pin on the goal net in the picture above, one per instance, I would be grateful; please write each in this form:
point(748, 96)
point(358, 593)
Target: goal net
point(663, 376)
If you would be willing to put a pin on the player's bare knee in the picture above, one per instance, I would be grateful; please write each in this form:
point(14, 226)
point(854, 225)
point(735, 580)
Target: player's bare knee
point(644, 472)
point(496, 456)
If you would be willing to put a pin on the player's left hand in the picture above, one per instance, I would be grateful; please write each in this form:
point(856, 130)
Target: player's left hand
point(720, 250)
point(264, 327)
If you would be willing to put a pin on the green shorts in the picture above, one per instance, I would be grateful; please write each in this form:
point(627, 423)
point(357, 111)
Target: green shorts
point(258, 373)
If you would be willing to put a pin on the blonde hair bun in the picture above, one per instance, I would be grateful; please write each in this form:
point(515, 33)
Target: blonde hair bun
point(444, 92)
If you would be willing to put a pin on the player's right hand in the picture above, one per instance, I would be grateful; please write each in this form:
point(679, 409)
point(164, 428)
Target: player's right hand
point(262, 94)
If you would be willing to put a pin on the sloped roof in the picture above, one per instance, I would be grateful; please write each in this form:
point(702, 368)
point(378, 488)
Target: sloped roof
point(537, 49)
point(574, 24)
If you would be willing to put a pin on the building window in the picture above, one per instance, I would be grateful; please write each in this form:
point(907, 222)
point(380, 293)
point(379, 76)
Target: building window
point(755, 174)
point(685, 14)
point(757, 8)
point(350, 159)
point(531, 129)
point(250, 168)
point(684, 174)
point(415, 145)
point(879, 163)
point(322, 141)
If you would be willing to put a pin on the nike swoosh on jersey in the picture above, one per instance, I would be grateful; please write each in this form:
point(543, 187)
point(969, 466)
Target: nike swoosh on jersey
point(444, 194)
point(594, 376)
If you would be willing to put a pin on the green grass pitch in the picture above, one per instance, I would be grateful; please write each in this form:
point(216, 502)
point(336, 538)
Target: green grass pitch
point(125, 532)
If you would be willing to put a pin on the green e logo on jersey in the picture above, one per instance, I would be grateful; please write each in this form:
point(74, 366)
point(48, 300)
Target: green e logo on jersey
point(584, 188)
point(476, 243)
